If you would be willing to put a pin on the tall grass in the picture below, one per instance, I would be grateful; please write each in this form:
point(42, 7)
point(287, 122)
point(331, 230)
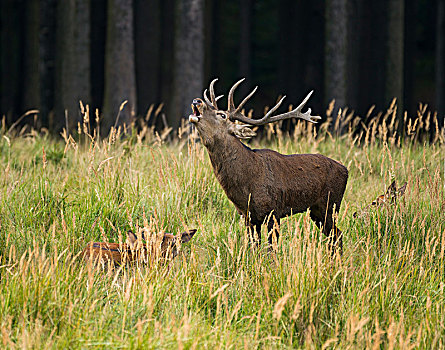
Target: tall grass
point(57, 195)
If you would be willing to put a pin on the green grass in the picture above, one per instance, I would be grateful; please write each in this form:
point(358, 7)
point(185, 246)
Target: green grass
point(56, 195)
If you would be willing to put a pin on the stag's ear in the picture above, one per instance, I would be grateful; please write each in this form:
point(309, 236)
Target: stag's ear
point(241, 131)
point(187, 236)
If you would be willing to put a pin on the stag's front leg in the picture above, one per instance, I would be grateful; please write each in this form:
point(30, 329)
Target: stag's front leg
point(335, 236)
point(338, 237)
point(330, 230)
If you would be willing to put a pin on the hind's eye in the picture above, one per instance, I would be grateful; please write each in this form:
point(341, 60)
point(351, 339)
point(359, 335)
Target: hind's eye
point(222, 115)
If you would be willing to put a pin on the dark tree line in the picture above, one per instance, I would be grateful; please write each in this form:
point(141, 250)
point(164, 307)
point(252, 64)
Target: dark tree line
point(102, 52)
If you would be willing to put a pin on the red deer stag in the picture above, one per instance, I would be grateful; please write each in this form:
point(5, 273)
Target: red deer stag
point(134, 250)
point(262, 182)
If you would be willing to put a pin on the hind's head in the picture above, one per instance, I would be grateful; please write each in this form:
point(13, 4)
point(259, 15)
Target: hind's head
point(169, 243)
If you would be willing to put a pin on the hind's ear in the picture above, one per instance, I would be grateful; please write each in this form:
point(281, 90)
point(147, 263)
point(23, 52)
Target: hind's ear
point(131, 239)
point(241, 131)
point(391, 191)
point(401, 190)
point(142, 232)
point(187, 236)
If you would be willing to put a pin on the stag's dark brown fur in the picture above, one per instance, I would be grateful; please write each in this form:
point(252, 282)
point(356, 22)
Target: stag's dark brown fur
point(261, 181)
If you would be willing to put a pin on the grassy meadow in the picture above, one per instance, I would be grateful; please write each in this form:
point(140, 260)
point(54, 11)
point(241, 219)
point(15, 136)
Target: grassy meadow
point(57, 194)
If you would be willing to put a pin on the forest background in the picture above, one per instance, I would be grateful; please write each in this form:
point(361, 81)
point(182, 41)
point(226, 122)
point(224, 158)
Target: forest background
point(103, 52)
point(59, 192)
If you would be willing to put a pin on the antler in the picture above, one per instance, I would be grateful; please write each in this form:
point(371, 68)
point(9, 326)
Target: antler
point(231, 105)
point(235, 113)
point(212, 95)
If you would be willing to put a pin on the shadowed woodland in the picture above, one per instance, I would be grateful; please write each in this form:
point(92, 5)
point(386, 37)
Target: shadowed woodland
point(360, 53)
point(68, 197)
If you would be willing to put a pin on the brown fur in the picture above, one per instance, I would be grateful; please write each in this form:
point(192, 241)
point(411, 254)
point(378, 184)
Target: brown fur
point(135, 250)
point(390, 197)
point(261, 181)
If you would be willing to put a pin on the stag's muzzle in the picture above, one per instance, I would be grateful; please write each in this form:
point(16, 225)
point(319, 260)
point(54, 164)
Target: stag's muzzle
point(194, 118)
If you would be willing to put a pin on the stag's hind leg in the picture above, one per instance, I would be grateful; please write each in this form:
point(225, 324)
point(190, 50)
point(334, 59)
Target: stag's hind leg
point(337, 234)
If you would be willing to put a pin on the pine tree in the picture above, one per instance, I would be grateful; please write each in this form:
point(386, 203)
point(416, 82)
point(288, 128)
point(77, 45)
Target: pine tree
point(72, 61)
point(189, 58)
point(336, 52)
point(120, 77)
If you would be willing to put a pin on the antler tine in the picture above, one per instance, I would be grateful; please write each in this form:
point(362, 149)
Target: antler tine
point(230, 103)
point(268, 118)
point(274, 108)
point(301, 105)
point(207, 99)
point(261, 121)
point(240, 106)
point(212, 93)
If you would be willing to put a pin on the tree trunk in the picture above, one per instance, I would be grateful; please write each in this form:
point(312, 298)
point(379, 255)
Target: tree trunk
point(245, 43)
point(97, 53)
point(336, 53)
point(120, 77)
point(409, 59)
point(291, 61)
point(189, 58)
point(47, 45)
point(167, 53)
point(209, 38)
point(440, 61)
point(366, 60)
point(394, 60)
point(147, 52)
point(314, 52)
point(31, 77)
point(72, 61)
point(11, 55)
point(353, 54)
point(213, 33)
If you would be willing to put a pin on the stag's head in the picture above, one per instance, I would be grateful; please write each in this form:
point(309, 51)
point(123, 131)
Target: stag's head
point(213, 122)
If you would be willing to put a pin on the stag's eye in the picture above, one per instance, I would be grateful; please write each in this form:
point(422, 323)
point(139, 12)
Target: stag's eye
point(221, 115)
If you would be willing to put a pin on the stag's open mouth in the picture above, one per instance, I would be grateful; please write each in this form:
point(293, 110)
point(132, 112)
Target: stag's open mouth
point(194, 118)
point(195, 110)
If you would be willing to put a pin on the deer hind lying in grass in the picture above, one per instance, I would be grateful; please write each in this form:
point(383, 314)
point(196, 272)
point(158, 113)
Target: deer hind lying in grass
point(134, 250)
point(262, 182)
point(390, 197)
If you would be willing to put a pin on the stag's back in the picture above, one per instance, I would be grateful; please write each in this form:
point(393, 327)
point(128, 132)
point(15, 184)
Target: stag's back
point(299, 181)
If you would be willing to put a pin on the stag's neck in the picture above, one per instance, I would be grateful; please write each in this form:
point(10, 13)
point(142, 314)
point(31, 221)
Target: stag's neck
point(231, 160)
point(237, 168)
